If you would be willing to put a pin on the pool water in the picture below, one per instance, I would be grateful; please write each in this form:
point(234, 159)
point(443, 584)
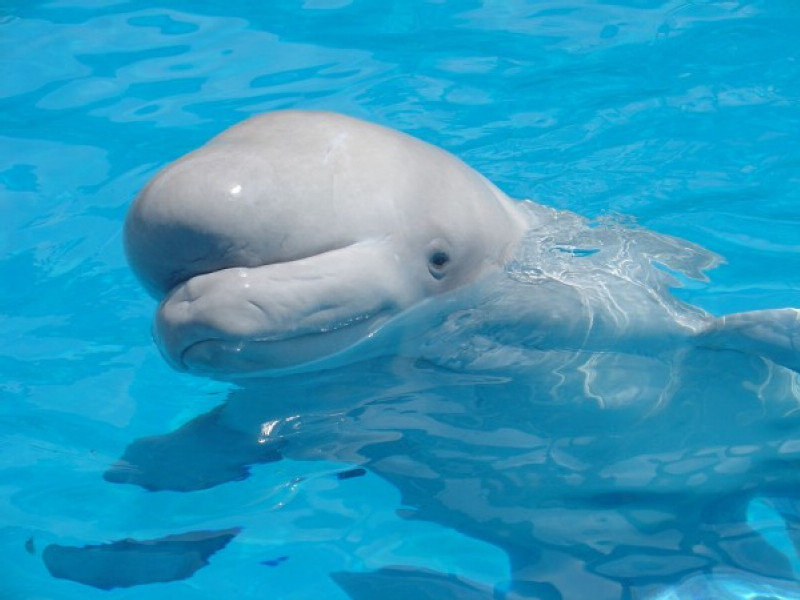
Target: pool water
point(398, 478)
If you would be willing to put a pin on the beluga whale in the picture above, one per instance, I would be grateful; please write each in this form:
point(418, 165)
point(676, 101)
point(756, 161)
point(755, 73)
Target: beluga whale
point(521, 374)
point(298, 239)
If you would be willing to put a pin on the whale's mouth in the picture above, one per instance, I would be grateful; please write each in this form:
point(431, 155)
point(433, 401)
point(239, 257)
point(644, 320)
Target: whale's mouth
point(227, 358)
point(242, 322)
point(245, 321)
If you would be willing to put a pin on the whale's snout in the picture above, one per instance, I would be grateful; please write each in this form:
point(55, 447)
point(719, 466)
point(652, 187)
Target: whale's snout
point(240, 321)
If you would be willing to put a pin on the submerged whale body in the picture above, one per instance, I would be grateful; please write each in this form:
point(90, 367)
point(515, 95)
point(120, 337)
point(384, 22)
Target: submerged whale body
point(295, 238)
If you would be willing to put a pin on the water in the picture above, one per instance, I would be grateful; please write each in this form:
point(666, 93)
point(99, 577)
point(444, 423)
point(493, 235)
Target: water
point(680, 115)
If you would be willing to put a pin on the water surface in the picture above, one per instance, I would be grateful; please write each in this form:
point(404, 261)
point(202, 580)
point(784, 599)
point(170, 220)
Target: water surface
point(682, 116)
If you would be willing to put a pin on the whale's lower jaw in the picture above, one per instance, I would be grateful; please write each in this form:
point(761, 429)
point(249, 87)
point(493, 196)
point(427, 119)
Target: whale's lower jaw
point(233, 359)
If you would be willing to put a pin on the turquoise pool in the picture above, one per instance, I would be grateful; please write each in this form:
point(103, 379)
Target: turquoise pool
point(120, 478)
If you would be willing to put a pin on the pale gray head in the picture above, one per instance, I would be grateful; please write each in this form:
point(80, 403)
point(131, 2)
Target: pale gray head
point(294, 235)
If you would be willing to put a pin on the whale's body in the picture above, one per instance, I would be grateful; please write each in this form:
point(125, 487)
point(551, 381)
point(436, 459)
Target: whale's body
point(568, 408)
point(294, 237)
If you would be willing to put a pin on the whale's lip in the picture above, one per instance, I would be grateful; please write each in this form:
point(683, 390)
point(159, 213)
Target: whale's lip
point(277, 353)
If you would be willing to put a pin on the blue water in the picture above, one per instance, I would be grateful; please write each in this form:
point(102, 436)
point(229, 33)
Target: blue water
point(683, 116)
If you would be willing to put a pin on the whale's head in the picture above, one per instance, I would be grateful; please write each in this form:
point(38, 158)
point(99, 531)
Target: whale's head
point(294, 236)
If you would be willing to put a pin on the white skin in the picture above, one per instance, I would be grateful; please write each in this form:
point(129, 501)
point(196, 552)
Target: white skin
point(295, 236)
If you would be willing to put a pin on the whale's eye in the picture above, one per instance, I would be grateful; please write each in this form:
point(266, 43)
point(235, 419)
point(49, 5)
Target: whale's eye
point(437, 262)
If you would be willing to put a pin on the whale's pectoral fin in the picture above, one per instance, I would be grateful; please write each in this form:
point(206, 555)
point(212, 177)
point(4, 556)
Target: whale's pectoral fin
point(773, 334)
point(202, 454)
